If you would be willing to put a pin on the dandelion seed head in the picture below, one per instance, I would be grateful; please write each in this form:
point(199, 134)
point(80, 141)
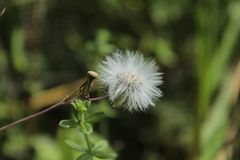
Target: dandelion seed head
point(131, 80)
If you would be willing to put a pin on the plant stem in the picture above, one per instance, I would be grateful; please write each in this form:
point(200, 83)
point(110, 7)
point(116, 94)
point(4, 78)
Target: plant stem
point(87, 142)
point(98, 98)
point(67, 100)
point(33, 115)
point(82, 120)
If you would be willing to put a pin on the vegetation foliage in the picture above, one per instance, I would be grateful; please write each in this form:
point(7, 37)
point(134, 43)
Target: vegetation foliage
point(46, 48)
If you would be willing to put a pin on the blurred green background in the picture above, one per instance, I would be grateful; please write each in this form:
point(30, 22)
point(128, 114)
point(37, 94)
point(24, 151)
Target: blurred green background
point(47, 46)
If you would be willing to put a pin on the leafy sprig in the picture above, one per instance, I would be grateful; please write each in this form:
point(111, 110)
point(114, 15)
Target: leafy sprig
point(82, 120)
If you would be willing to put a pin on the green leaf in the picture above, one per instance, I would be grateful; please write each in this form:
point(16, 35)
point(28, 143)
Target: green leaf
point(86, 128)
point(80, 105)
point(87, 103)
point(100, 145)
point(94, 117)
point(18, 54)
point(50, 151)
point(164, 52)
point(217, 123)
point(68, 123)
point(213, 145)
point(85, 156)
point(75, 146)
point(104, 154)
point(102, 42)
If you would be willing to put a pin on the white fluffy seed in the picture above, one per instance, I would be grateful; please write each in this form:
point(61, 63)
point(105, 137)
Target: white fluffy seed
point(131, 80)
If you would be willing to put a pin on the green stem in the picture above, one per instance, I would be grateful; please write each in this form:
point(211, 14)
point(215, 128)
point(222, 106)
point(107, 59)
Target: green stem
point(85, 135)
point(87, 142)
point(83, 117)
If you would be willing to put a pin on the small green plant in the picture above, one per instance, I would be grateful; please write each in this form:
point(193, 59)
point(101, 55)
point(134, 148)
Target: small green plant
point(82, 120)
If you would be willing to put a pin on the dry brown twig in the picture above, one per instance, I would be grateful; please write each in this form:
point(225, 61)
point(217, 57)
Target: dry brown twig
point(82, 93)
